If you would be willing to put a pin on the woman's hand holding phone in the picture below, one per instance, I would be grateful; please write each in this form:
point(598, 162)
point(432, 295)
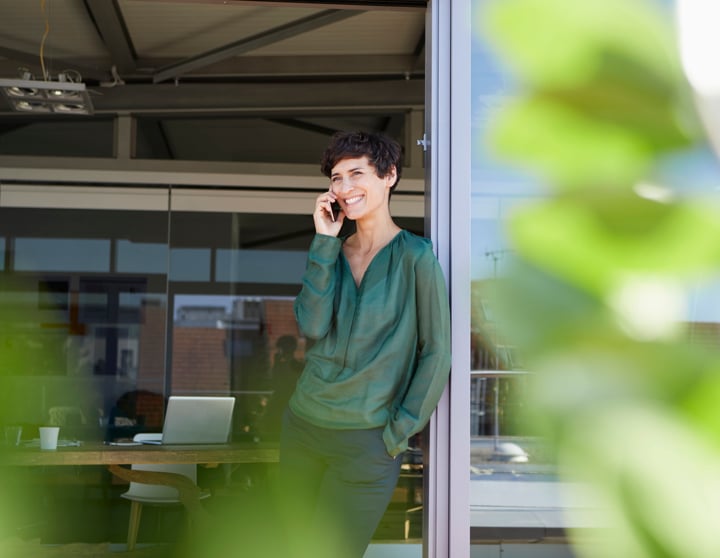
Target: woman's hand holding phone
point(328, 216)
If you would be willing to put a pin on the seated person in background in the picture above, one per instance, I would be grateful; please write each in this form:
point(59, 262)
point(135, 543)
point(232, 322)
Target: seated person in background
point(135, 411)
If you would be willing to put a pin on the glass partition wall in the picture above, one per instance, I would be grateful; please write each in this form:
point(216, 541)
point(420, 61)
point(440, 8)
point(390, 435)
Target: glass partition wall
point(109, 309)
point(515, 497)
point(232, 281)
point(84, 306)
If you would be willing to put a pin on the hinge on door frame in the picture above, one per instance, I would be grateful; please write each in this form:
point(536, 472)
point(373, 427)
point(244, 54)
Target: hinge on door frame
point(424, 142)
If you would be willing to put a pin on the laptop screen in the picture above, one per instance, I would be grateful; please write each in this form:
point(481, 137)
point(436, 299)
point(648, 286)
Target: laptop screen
point(198, 420)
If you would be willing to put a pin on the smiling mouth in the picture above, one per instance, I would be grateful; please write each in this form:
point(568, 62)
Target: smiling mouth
point(353, 200)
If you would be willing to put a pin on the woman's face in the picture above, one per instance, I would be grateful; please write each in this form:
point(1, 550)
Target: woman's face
point(360, 191)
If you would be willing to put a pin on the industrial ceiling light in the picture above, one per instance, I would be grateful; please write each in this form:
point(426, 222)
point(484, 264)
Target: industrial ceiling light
point(35, 96)
point(67, 95)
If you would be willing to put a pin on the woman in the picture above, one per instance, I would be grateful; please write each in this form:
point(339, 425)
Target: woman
point(376, 307)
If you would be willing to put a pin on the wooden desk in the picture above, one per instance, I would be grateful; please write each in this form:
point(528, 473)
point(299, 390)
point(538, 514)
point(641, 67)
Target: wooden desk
point(93, 453)
point(115, 456)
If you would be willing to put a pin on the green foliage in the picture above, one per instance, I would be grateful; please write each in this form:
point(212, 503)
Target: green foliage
point(604, 89)
point(597, 239)
point(595, 300)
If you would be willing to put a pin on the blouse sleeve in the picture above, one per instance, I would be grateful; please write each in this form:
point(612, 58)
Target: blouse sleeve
point(314, 305)
point(433, 365)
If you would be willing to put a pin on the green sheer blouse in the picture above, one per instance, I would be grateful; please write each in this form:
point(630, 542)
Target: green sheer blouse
point(381, 351)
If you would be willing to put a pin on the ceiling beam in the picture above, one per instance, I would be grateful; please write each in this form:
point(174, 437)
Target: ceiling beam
point(394, 5)
point(302, 125)
point(297, 65)
point(112, 29)
point(243, 67)
point(32, 60)
point(10, 126)
point(99, 170)
point(230, 98)
point(292, 29)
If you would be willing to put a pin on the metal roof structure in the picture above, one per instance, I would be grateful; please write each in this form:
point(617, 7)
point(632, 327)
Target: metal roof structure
point(214, 80)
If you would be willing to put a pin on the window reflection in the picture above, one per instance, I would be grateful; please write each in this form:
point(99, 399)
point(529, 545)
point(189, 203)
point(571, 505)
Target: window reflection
point(260, 266)
point(513, 483)
point(191, 264)
point(105, 313)
point(83, 318)
point(246, 346)
point(140, 257)
point(61, 254)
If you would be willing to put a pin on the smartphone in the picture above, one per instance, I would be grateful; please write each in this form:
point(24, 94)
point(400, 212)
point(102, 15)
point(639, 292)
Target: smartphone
point(334, 210)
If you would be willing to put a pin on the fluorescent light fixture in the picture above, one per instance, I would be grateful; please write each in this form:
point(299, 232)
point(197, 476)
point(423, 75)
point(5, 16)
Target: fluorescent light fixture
point(34, 96)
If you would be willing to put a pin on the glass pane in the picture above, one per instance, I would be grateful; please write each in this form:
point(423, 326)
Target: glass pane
point(260, 266)
point(134, 256)
point(97, 332)
point(82, 312)
point(250, 348)
point(514, 492)
point(234, 332)
point(62, 254)
point(190, 264)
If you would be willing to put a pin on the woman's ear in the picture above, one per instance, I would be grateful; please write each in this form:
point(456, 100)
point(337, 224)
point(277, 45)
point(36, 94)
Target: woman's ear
point(391, 177)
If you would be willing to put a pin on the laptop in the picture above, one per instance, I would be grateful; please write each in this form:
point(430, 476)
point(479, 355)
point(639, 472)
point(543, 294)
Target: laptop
point(198, 420)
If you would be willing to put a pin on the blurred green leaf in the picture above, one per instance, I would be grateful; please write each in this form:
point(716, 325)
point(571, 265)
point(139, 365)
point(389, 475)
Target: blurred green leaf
point(594, 300)
point(700, 406)
point(657, 482)
point(559, 44)
point(569, 148)
point(604, 90)
point(597, 242)
point(538, 310)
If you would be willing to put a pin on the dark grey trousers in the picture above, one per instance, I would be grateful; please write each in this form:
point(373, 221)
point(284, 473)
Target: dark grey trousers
point(334, 487)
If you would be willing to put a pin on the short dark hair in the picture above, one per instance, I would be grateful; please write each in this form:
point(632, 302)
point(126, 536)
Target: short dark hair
point(382, 151)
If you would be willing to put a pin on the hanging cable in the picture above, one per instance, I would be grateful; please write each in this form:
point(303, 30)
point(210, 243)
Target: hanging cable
point(44, 37)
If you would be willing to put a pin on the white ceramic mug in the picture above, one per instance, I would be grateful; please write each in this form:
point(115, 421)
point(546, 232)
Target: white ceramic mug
point(49, 437)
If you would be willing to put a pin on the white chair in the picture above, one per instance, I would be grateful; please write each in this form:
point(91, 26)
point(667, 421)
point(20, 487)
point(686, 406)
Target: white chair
point(159, 494)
